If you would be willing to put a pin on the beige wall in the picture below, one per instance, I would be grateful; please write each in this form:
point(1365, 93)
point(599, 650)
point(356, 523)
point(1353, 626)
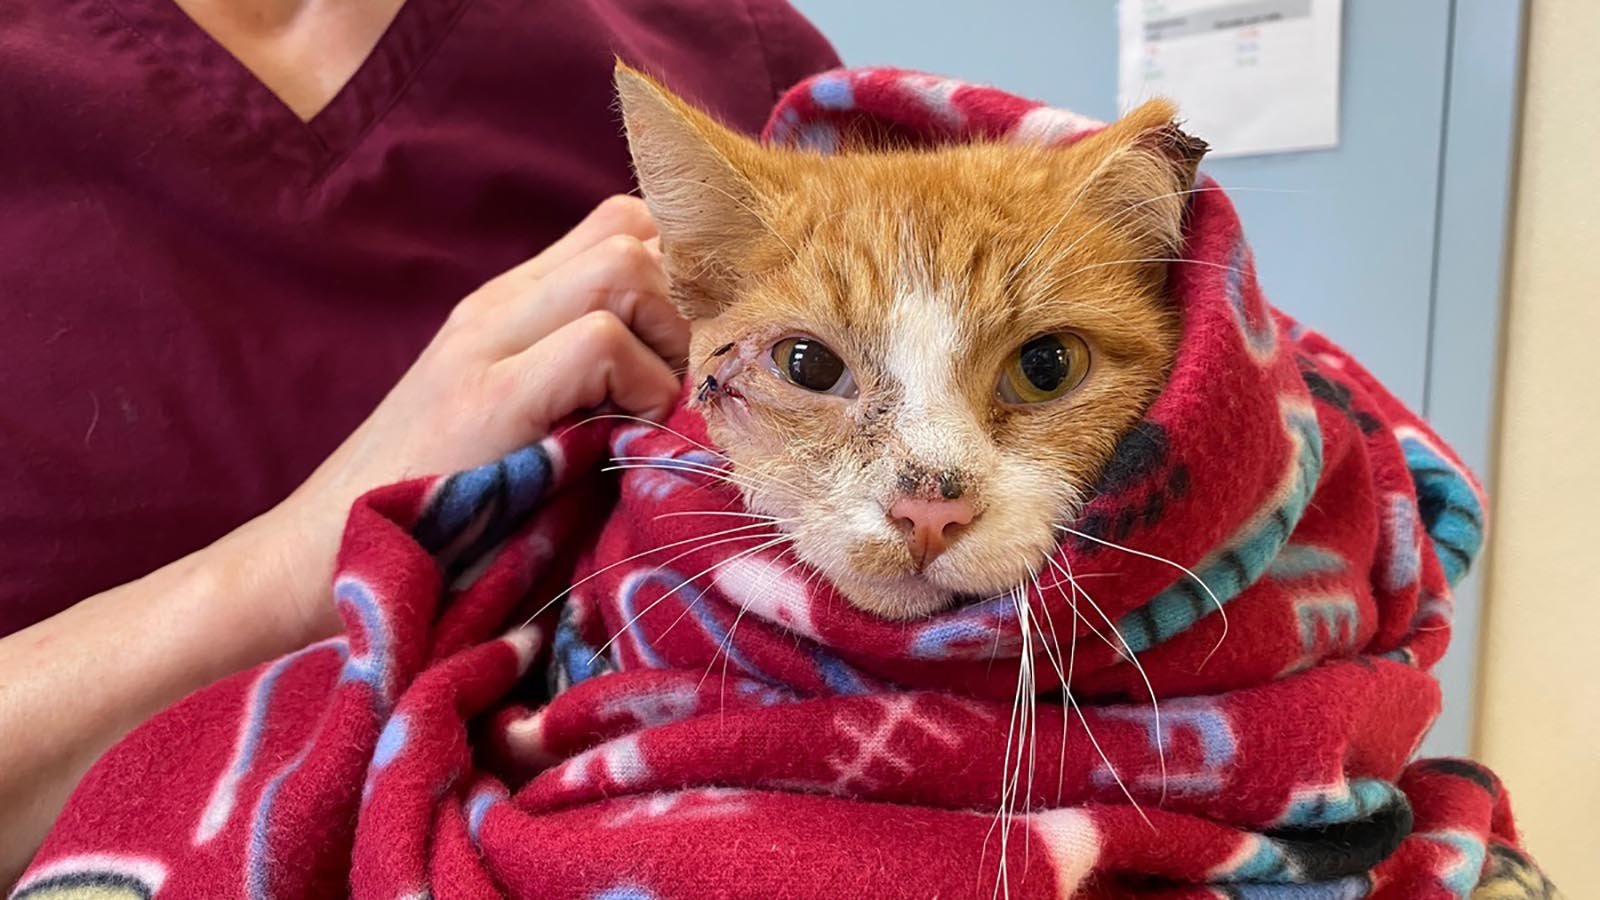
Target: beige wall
point(1539, 724)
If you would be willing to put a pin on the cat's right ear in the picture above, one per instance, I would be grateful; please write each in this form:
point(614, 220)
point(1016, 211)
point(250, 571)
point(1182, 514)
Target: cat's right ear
point(700, 182)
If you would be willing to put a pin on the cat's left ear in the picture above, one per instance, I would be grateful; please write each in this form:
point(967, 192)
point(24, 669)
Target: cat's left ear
point(1145, 170)
point(700, 181)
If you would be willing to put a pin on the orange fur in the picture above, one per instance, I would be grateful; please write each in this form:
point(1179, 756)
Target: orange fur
point(972, 250)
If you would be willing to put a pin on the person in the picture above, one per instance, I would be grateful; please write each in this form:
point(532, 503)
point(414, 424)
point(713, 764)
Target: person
point(229, 227)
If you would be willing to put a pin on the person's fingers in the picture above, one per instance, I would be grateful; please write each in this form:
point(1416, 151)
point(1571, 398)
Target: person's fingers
point(580, 366)
point(617, 214)
point(616, 229)
point(620, 275)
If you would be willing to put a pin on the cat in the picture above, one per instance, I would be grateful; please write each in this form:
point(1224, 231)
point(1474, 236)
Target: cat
point(920, 359)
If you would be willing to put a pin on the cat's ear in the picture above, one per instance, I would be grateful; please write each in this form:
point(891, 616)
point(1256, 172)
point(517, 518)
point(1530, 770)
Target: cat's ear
point(700, 182)
point(1145, 170)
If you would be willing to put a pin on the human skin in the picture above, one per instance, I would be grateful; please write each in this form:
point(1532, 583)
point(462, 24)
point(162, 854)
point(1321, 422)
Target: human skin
point(583, 323)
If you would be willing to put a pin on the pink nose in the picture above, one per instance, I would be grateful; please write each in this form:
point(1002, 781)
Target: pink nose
point(932, 524)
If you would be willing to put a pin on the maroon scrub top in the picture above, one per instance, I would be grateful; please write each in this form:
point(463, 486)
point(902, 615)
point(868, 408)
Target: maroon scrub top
point(201, 295)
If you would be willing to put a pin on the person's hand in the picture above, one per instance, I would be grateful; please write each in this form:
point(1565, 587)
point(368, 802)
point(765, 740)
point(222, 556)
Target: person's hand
point(586, 321)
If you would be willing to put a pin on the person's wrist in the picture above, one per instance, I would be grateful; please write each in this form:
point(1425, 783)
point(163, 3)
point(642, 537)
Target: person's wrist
point(281, 565)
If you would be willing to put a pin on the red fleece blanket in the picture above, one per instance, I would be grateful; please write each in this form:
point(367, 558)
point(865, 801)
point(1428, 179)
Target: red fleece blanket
point(1226, 668)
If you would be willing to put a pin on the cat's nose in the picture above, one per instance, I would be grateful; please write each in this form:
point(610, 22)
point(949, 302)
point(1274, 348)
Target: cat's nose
point(931, 524)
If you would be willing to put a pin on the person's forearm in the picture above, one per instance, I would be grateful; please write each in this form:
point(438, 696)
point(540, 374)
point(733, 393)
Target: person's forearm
point(73, 684)
point(587, 321)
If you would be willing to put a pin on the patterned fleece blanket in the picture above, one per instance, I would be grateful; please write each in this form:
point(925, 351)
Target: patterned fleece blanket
point(1224, 701)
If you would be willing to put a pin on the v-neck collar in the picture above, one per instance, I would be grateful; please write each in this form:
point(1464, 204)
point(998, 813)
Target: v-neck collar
point(242, 100)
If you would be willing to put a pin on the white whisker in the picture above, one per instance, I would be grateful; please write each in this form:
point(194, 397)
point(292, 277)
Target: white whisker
point(749, 472)
point(724, 648)
point(1072, 703)
point(1155, 704)
point(782, 538)
point(604, 569)
point(737, 479)
point(639, 420)
point(719, 512)
point(1020, 723)
point(680, 586)
point(1063, 676)
point(1180, 567)
point(1089, 733)
point(1066, 579)
point(1147, 259)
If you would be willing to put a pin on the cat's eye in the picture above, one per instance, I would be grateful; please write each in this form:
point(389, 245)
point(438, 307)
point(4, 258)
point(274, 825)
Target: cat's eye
point(1045, 368)
point(807, 362)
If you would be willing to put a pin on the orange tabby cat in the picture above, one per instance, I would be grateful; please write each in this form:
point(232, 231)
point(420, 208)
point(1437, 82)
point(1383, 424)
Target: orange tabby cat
point(920, 359)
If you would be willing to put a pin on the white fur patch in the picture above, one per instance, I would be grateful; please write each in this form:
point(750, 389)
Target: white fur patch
point(924, 340)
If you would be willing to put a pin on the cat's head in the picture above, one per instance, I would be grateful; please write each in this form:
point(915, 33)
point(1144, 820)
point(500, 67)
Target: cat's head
point(918, 360)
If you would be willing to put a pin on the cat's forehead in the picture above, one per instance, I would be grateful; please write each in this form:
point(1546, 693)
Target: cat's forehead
point(968, 250)
point(867, 270)
point(961, 216)
point(890, 277)
point(933, 199)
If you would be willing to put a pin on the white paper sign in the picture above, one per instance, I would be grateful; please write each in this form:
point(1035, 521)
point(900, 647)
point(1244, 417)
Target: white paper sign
point(1249, 76)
